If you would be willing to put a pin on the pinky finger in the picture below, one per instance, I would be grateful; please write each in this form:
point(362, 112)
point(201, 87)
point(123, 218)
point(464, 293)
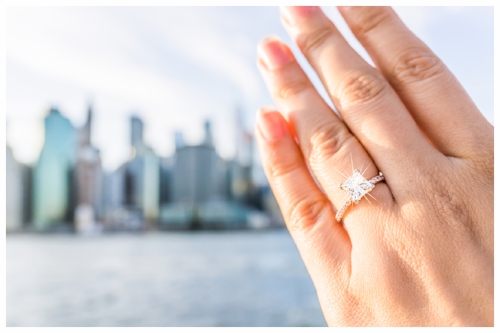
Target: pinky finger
point(322, 242)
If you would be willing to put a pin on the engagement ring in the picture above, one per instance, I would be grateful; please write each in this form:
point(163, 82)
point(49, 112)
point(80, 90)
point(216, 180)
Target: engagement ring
point(357, 186)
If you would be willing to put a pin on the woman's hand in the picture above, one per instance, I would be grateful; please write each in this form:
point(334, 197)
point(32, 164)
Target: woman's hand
point(420, 250)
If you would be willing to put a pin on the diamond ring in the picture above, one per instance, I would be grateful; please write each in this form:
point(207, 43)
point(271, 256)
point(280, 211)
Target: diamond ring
point(357, 186)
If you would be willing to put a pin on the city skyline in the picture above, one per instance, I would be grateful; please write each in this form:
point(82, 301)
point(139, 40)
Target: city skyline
point(176, 66)
point(67, 189)
point(172, 137)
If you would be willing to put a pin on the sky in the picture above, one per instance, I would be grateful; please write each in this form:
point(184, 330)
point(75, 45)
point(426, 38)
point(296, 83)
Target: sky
point(177, 66)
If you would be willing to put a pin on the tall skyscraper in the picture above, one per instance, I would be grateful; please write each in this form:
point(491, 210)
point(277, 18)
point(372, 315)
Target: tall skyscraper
point(52, 178)
point(241, 168)
point(14, 193)
point(136, 132)
point(88, 180)
point(166, 180)
point(142, 178)
point(199, 173)
point(179, 140)
point(27, 194)
point(209, 140)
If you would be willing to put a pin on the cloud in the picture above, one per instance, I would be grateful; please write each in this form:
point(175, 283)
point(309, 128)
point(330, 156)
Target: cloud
point(173, 65)
point(115, 55)
point(190, 33)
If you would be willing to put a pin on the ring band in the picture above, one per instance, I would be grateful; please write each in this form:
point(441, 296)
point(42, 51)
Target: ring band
point(357, 186)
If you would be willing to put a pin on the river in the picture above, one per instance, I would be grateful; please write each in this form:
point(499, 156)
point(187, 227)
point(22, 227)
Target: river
point(237, 278)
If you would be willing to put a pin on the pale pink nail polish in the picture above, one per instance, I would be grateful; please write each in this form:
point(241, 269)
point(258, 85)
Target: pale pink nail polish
point(273, 53)
point(271, 125)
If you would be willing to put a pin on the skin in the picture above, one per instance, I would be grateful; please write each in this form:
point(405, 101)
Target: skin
point(420, 251)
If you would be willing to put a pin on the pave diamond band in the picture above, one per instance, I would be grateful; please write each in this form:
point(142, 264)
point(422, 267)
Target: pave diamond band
point(357, 186)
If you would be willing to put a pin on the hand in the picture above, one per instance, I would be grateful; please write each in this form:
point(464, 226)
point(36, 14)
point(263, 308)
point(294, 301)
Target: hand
point(420, 250)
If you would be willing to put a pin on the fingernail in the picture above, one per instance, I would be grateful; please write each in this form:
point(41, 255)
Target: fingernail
point(271, 125)
point(273, 53)
point(294, 14)
point(344, 8)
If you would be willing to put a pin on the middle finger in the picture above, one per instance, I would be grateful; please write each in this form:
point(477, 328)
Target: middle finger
point(369, 106)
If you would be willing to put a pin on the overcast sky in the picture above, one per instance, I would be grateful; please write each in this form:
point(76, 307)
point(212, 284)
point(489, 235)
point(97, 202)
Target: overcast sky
point(176, 66)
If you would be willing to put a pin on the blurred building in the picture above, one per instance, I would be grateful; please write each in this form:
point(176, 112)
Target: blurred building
point(53, 186)
point(241, 167)
point(27, 172)
point(166, 180)
point(142, 177)
point(89, 180)
point(194, 188)
point(198, 174)
point(115, 216)
point(207, 191)
point(14, 193)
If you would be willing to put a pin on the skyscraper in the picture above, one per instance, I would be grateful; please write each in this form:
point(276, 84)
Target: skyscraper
point(136, 132)
point(199, 187)
point(142, 178)
point(52, 178)
point(241, 168)
point(199, 173)
point(88, 180)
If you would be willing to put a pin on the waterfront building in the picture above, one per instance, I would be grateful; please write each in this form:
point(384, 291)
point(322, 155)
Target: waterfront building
point(201, 191)
point(118, 213)
point(166, 180)
point(89, 180)
point(14, 193)
point(142, 176)
point(113, 191)
point(241, 166)
point(53, 187)
point(179, 140)
point(199, 172)
point(27, 173)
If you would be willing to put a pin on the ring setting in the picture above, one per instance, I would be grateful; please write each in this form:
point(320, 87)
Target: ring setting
point(357, 187)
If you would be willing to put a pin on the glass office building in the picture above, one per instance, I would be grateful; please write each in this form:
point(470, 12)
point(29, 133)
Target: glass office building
point(52, 179)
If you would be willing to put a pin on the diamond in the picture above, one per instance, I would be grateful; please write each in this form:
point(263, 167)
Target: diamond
point(357, 186)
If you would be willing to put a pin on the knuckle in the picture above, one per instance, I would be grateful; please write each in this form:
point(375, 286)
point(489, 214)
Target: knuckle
point(369, 19)
point(279, 168)
point(325, 143)
point(305, 213)
point(416, 64)
point(291, 88)
point(358, 88)
point(309, 42)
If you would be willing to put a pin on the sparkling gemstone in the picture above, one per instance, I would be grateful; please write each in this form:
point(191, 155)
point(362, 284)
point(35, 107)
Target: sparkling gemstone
point(357, 186)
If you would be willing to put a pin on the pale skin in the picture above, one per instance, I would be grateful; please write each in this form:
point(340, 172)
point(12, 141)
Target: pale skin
point(420, 251)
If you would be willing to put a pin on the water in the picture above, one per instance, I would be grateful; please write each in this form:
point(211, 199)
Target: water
point(159, 279)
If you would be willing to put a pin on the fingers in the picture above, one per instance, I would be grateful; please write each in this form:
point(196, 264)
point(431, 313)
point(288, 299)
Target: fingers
point(330, 149)
point(429, 90)
point(323, 243)
point(369, 106)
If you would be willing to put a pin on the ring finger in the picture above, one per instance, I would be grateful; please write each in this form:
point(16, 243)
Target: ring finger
point(327, 145)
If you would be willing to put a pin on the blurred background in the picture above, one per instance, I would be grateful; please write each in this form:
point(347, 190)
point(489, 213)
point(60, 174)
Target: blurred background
point(135, 194)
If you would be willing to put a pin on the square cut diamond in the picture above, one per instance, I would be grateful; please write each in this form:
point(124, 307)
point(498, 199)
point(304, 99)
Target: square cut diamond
point(357, 186)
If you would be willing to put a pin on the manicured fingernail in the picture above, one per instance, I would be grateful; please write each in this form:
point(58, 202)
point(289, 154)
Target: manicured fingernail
point(344, 8)
point(274, 53)
point(294, 14)
point(271, 124)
